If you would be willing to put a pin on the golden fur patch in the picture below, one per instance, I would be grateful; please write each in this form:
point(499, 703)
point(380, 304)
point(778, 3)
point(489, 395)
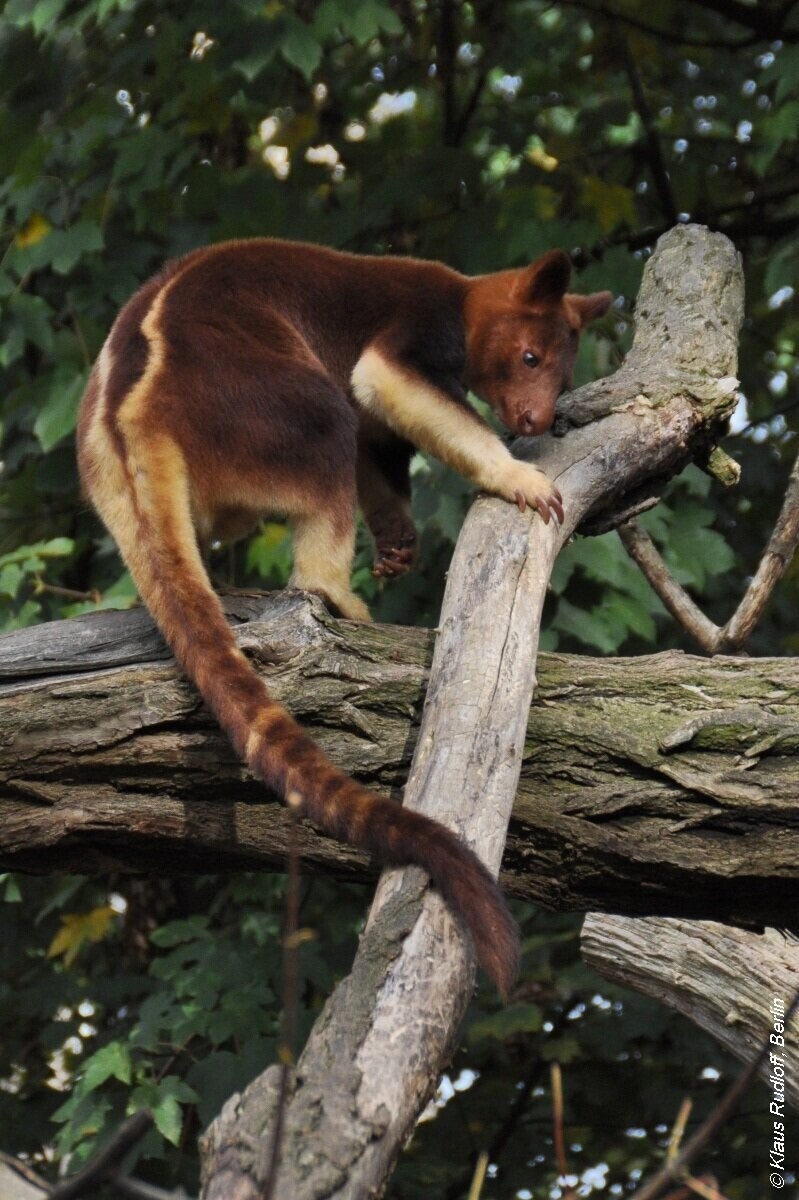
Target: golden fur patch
point(323, 554)
point(427, 418)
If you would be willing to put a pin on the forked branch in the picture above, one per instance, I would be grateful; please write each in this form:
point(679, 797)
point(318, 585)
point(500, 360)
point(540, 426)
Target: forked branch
point(732, 636)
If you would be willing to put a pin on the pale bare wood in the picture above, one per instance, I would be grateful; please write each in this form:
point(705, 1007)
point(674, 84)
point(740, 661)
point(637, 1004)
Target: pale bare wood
point(19, 1182)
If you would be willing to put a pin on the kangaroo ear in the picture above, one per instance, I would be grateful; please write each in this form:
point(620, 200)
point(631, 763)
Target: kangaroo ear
point(546, 280)
point(591, 307)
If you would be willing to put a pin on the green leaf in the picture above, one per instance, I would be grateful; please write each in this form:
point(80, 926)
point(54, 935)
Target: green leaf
point(269, 551)
point(34, 316)
point(13, 346)
point(168, 1119)
point(59, 414)
point(57, 547)
point(45, 13)
point(300, 48)
point(561, 1050)
point(635, 615)
point(177, 932)
point(163, 1099)
point(113, 1061)
point(366, 20)
point(61, 248)
point(328, 17)
point(10, 888)
point(11, 577)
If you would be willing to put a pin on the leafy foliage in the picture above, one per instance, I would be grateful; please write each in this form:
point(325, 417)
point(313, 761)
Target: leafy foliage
point(482, 134)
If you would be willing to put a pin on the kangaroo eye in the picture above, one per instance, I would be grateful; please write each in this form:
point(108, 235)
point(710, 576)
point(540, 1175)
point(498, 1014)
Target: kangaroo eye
point(529, 359)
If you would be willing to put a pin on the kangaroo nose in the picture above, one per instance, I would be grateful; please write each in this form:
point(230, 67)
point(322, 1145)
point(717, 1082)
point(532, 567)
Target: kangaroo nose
point(527, 423)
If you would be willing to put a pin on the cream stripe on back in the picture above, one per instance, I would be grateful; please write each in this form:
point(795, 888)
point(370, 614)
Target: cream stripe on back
point(154, 468)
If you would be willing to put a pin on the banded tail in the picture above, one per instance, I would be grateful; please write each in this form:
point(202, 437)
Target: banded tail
point(139, 483)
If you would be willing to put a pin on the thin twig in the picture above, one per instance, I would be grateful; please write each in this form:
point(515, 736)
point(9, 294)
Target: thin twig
point(558, 1137)
point(675, 1170)
point(25, 1171)
point(445, 61)
point(76, 325)
point(767, 21)
point(478, 1179)
point(733, 636)
point(644, 552)
point(657, 163)
point(687, 1190)
point(678, 1130)
point(40, 586)
point(516, 1110)
point(773, 564)
point(137, 1189)
point(707, 1188)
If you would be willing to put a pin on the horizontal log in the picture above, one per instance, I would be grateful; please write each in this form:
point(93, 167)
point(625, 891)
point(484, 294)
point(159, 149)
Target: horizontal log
point(661, 785)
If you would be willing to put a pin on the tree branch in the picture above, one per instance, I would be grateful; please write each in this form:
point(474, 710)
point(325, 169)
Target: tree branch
point(657, 163)
point(767, 20)
point(637, 779)
point(105, 1164)
point(776, 558)
point(680, 38)
point(18, 1181)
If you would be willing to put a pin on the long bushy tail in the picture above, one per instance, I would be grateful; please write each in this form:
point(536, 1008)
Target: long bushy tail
point(146, 508)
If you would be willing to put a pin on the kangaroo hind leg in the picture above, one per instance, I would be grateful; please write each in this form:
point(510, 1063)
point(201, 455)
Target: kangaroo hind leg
point(324, 546)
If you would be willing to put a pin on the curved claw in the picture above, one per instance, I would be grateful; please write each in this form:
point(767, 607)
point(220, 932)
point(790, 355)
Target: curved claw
point(543, 508)
point(521, 500)
point(393, 562)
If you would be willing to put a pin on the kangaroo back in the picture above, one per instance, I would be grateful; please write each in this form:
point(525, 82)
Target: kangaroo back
point(136, 475)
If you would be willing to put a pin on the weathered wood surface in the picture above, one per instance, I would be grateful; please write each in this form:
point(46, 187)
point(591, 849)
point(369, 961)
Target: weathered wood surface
point(17, 1183)
point(375, 1054)
point(725, 980)
point(667, 784)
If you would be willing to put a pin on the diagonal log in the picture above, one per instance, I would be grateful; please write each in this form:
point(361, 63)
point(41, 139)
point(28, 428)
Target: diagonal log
point(375, 1054)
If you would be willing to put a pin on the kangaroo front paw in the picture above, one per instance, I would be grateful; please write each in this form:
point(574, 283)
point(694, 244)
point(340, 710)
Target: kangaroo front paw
point(395, 545)
point(524, 484)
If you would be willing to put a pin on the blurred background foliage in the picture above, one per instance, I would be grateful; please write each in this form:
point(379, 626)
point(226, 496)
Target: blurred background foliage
point(476, 132)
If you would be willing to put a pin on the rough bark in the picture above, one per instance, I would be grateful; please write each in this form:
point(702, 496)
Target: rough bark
point(375, 1054)
point(725, 980)
point(665, 784)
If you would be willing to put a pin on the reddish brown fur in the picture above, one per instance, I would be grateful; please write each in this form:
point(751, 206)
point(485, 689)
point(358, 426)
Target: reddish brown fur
point(230, 387)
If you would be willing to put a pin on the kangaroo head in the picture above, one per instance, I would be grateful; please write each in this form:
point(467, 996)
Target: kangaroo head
point(522, 332)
